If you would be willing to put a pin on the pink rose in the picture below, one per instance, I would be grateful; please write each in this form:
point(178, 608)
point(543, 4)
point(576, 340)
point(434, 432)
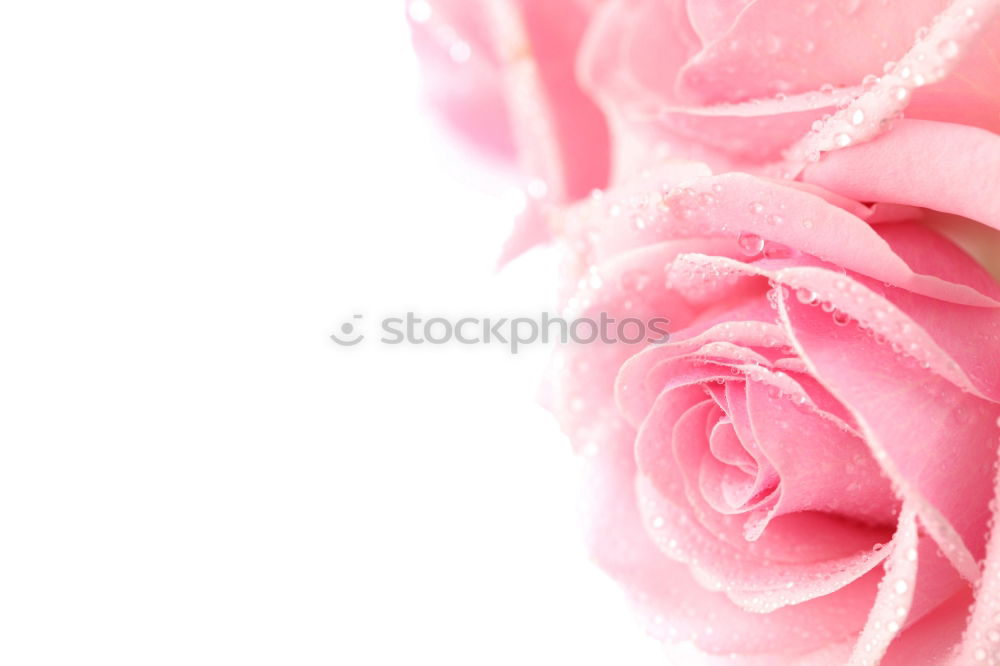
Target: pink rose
point(503, 74)
point(737, 83)
point(804, 472)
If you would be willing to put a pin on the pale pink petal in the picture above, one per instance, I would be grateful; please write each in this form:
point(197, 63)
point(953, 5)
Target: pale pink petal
point(780, 47)
point(742, 205)
point(950, 168)
point(537, 43)
point(981, 643)
point(930, 60)
point(754, 582)
point(462, 74)
point(712, 18)
point(895, 595)
point(821, 467)
point(928, 435)
point(969, 95)
point(630, 69)
point(933, 333)
point(930, 641)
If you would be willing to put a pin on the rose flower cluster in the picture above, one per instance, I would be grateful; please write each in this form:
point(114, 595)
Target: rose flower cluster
point(805, 472)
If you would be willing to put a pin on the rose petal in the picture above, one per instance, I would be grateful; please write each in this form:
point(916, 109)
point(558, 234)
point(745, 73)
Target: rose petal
point(821, 467)
point(929, 436)
point(765, 52)
point(895, 595)
point(982, 636)
point(950, 168)
point(930, 60)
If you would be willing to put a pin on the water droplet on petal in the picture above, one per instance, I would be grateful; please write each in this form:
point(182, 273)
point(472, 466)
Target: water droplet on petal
point(843, 139)
point(751, 244)
point(807, 296)
point(857, 117)
point(948, 49)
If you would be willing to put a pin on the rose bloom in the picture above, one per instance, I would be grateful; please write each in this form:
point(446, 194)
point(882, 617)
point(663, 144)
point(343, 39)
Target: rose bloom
point(804, 472)
point(502, 74)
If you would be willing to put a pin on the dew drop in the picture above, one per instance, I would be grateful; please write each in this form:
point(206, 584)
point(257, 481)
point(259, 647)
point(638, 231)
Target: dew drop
point(751, 244)
point(900, 587)
point(857, 117)
point(756, 207)
point(899, 92)
point(841, 318)
point(843, 139)
point(948, 49)
point(807, 223)
point(806, 296)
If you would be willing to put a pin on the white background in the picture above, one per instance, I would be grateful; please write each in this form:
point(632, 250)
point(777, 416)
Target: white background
point(193, 196)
